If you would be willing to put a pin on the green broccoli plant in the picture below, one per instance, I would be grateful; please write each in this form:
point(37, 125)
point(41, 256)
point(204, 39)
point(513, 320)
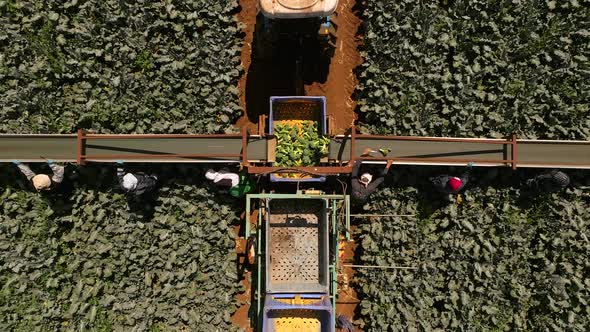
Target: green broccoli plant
point(299, 143)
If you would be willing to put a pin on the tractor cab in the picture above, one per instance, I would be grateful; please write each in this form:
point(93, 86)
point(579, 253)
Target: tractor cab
point(292, 9)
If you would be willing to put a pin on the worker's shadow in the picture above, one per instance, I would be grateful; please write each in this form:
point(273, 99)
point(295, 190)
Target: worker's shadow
point(60, 199)
point(143, 206)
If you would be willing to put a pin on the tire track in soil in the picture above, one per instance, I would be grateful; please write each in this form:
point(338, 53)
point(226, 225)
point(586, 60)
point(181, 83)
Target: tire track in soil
point(348, 301)
point(240, 317)
point(247, 17)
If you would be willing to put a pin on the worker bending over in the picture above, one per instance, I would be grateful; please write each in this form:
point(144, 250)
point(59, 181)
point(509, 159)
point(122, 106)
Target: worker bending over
point(364, 186)
point(448, 185)
point(549, 182)
point(136, 183)
point(43, 181)
point(238, 185)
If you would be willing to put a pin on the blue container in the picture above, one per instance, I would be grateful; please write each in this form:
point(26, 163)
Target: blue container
point(315, 313)
point(298, 108)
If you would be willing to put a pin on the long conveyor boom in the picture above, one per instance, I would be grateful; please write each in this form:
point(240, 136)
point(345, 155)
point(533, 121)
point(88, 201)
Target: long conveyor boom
point(254, 150)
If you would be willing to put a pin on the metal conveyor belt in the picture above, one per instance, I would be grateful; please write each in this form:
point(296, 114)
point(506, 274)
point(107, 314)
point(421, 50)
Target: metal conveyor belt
point(229, 149)
point(453, 151)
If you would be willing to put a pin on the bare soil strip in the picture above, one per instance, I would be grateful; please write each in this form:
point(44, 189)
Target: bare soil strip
point(341, 81)
point(262, 79)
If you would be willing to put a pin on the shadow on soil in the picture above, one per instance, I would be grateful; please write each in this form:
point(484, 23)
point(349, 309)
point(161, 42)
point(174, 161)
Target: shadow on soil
point(273, 68)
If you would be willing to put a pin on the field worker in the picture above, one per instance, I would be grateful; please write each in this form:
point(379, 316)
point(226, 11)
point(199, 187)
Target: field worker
point(550, 181)
point(238, 184)
point(43, 181)
point(447, 184)
point(136, 183)
point(365, 185)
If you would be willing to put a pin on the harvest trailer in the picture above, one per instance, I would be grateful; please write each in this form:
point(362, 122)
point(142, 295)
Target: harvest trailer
point(296, 258)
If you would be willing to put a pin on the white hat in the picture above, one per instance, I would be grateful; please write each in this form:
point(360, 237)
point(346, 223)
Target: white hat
point(366, 178)
point(41, 182)
point(210, 174)
point(129, 181)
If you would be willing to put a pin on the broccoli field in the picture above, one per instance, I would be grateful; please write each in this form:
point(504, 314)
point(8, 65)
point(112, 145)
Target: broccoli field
point(476, 68)
point(84, 261)
point(497, 261)
point(497, 258)
point(119, 66)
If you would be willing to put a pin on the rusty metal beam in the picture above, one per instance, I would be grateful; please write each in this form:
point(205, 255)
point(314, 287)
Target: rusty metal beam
point(514, 142)
point(315, 170)
point(248, 150)
point(441, 160)
point(148, 156)
point(244, 151)
point(80, 147)
point(158, 136)
point(435, 139)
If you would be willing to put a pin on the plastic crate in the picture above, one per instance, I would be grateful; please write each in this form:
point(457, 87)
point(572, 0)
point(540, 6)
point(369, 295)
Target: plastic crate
point(298, 108)
point(297, 313)
point(297, 246)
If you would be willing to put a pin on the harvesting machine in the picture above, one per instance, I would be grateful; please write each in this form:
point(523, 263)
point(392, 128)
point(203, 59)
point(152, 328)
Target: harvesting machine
point(296, 258)
point(296, 240)
point(300, 28)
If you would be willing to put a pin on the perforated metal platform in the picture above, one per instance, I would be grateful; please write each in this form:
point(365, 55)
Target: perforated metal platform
point(296, 237)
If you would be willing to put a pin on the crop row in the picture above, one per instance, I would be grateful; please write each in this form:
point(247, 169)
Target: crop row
point(476, 68)
point(118, 66)
point(82, 259)
point(87, 259)
point(495, 260)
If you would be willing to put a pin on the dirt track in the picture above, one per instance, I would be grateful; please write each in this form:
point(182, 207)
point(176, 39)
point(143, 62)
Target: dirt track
point(264, 79)
point(341, 81)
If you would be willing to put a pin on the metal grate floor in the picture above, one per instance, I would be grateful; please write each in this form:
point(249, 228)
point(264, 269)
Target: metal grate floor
point(294, 242)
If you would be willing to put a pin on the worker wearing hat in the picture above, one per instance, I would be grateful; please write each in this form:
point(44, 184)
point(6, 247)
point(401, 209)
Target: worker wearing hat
point(238, 184)
point(42, 182)
point(550, 181)
point(136, 184)
point(365, 185)
point(448, 185)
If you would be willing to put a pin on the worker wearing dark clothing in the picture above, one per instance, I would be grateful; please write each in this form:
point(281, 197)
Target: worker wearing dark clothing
point(136, 183)
point(548, 182)
point(447, 184)
point(365, 185)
